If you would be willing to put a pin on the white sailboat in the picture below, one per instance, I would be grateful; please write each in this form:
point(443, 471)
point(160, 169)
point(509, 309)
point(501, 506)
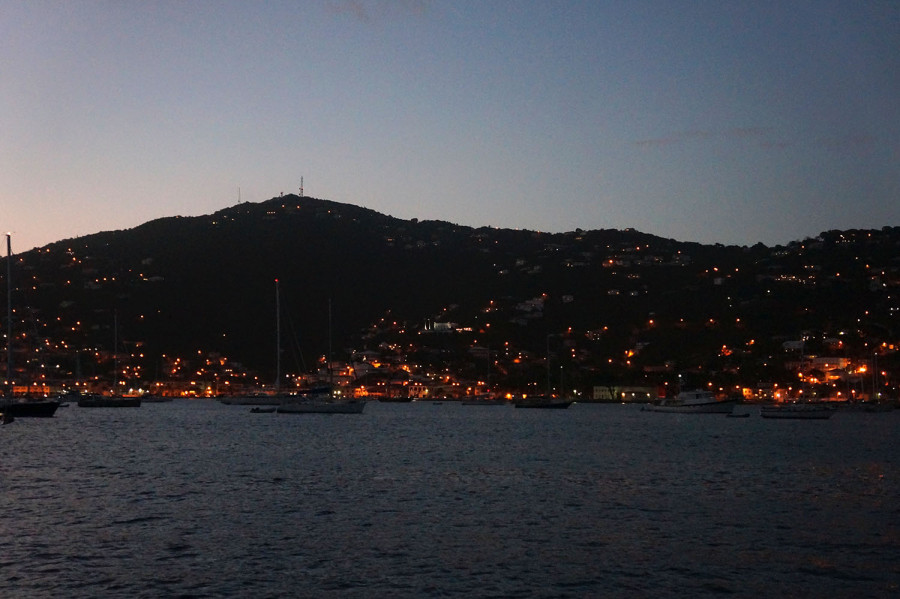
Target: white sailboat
point(698, 401)
point(265, 399)
point(320, 401)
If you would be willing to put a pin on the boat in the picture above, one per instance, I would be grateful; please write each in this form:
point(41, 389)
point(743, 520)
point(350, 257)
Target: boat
point(546, 401)
point(797, 411)
point(29, 408)
point(698, 401)
point(10, 406)
point(95, 400)
point(262, 398)
point(487, 398)
point(261, 410)
point(320, 404)
point(319, 399)
point(543, 402)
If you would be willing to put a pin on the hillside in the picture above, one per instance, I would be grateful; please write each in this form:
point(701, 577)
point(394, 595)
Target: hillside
point(612, 305)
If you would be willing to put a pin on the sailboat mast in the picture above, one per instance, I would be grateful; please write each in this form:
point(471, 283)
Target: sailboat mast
point(488, 380)
point(330, 369)
point(549, 393)
point(9, 359)
point(277, 338)
point(115, 351)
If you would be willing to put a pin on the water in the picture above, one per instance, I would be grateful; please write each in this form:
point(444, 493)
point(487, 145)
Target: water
point(197, 499)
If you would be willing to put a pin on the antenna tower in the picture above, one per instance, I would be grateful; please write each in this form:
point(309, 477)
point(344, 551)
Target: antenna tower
point(301, 187)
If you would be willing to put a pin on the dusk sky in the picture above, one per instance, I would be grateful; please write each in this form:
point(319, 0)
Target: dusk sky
point(720, 121)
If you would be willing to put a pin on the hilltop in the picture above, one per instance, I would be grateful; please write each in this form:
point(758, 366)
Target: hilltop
point(613, 306)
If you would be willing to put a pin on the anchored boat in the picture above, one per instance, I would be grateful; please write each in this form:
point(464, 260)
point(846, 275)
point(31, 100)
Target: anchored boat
point(693, 402)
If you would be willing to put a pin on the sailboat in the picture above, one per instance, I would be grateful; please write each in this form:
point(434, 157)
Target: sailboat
point(488, 398)
point(95, 400)
point(699, 401)
point(321, 400)
point(320, 403)
point(10, 407)
point(547, 401)
point(262, 398)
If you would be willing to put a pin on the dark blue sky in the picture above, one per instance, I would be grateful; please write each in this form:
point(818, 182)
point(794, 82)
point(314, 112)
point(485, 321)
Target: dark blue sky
point(731, 122)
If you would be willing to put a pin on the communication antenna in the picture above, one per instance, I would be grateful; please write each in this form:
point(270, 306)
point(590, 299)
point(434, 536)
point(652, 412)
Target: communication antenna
point(301, 187)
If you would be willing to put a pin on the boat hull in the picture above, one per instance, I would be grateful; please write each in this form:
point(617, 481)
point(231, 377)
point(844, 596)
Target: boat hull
point(697, 401)
point(715, 407)
point(29, 409)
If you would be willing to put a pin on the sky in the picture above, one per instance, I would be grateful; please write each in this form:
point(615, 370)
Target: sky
point(711, 121)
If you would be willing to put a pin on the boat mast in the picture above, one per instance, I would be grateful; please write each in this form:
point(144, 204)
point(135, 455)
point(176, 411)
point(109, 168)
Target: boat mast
point(9, 360)
point(115, 352)
point(277, 338)
point(874, 375)
point(488, 378)
point(549, 394)
point(330, 369)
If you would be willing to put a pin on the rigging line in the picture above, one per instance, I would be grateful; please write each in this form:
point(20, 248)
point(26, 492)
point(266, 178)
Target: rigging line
point(294, 345)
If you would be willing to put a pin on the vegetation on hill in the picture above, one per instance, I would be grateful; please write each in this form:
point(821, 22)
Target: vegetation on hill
point(611, 306)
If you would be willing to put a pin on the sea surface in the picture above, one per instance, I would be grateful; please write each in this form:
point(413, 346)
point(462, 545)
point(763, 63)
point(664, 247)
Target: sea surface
point(198, 499)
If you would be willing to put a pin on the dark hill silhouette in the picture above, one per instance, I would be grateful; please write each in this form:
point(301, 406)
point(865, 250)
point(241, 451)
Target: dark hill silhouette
point(181, 285)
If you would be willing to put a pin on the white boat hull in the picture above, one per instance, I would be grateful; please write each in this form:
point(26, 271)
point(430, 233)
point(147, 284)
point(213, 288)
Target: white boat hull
point(717, 407)
point(699, 401)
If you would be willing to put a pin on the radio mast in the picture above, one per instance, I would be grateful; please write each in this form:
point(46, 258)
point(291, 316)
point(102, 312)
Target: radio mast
point(301, 187)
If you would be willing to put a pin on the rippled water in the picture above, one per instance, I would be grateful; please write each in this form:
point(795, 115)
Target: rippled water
point(197, 499)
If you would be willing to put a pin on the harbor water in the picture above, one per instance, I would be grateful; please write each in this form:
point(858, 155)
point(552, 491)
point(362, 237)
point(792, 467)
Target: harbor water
point(199, 499)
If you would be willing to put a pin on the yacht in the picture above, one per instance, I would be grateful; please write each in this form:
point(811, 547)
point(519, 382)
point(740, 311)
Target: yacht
point(697, 401)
